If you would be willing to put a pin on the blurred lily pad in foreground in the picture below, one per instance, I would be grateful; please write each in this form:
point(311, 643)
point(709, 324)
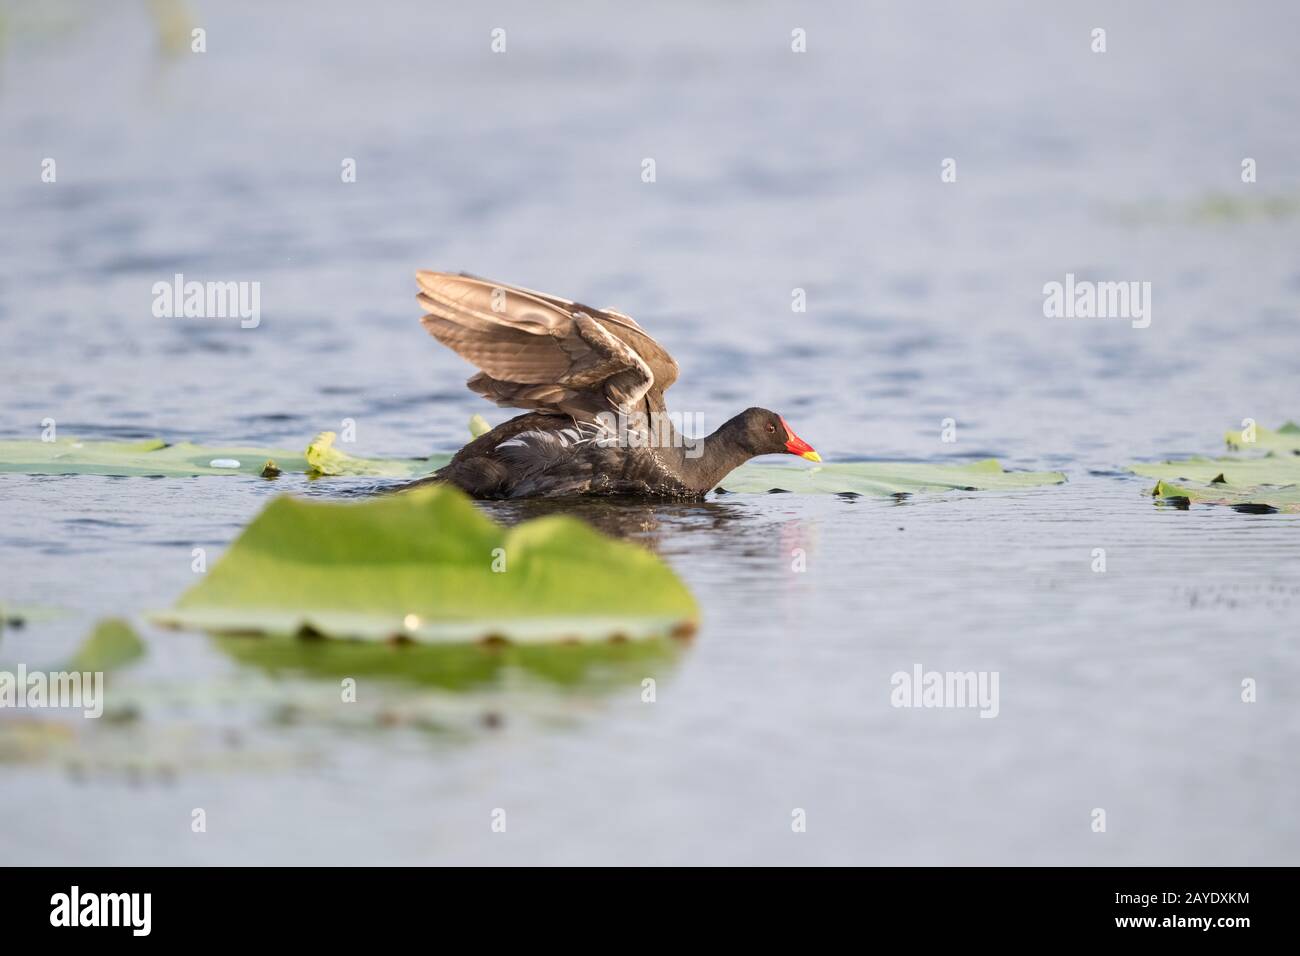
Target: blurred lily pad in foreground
point(427, 567)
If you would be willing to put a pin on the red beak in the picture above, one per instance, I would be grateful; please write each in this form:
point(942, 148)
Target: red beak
point(797, 446)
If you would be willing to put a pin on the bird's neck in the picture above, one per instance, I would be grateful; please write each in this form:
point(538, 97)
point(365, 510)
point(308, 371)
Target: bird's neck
point(705, 463)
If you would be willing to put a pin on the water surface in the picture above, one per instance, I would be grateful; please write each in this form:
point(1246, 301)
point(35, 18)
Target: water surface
point(775, 171)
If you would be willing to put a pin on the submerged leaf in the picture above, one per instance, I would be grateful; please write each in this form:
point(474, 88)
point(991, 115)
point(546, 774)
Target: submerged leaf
point(112, 644)
point(427, 566)
point(884, 478)
point(456, 667)
point(17, 616)
point(1212, 208)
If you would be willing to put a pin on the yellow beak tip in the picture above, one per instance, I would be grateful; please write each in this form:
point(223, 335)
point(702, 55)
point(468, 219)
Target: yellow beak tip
point(811, 456)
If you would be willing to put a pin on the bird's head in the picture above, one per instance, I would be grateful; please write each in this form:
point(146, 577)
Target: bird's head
point(764, 432)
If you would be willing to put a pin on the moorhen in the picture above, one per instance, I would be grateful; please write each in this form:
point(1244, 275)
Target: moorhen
point(593, 382)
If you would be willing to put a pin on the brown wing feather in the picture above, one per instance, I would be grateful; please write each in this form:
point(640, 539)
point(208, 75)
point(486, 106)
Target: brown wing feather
point(527, 341)
point(542, 352)
point(619, 324)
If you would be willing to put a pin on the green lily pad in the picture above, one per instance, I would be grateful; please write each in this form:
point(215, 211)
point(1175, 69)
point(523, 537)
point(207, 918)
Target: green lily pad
point(884, 478)
point(155, 458)
point(1247, 484)
point(1268, 483)
point(1277, 470)
point(419, 566)
point(1285, 439)
point(1257, 500)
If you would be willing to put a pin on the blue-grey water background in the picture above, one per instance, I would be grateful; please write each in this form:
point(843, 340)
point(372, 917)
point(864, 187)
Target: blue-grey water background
point(775, 171)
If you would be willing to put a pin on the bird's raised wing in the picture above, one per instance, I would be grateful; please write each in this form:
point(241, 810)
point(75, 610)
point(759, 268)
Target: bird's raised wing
point(542, 352)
